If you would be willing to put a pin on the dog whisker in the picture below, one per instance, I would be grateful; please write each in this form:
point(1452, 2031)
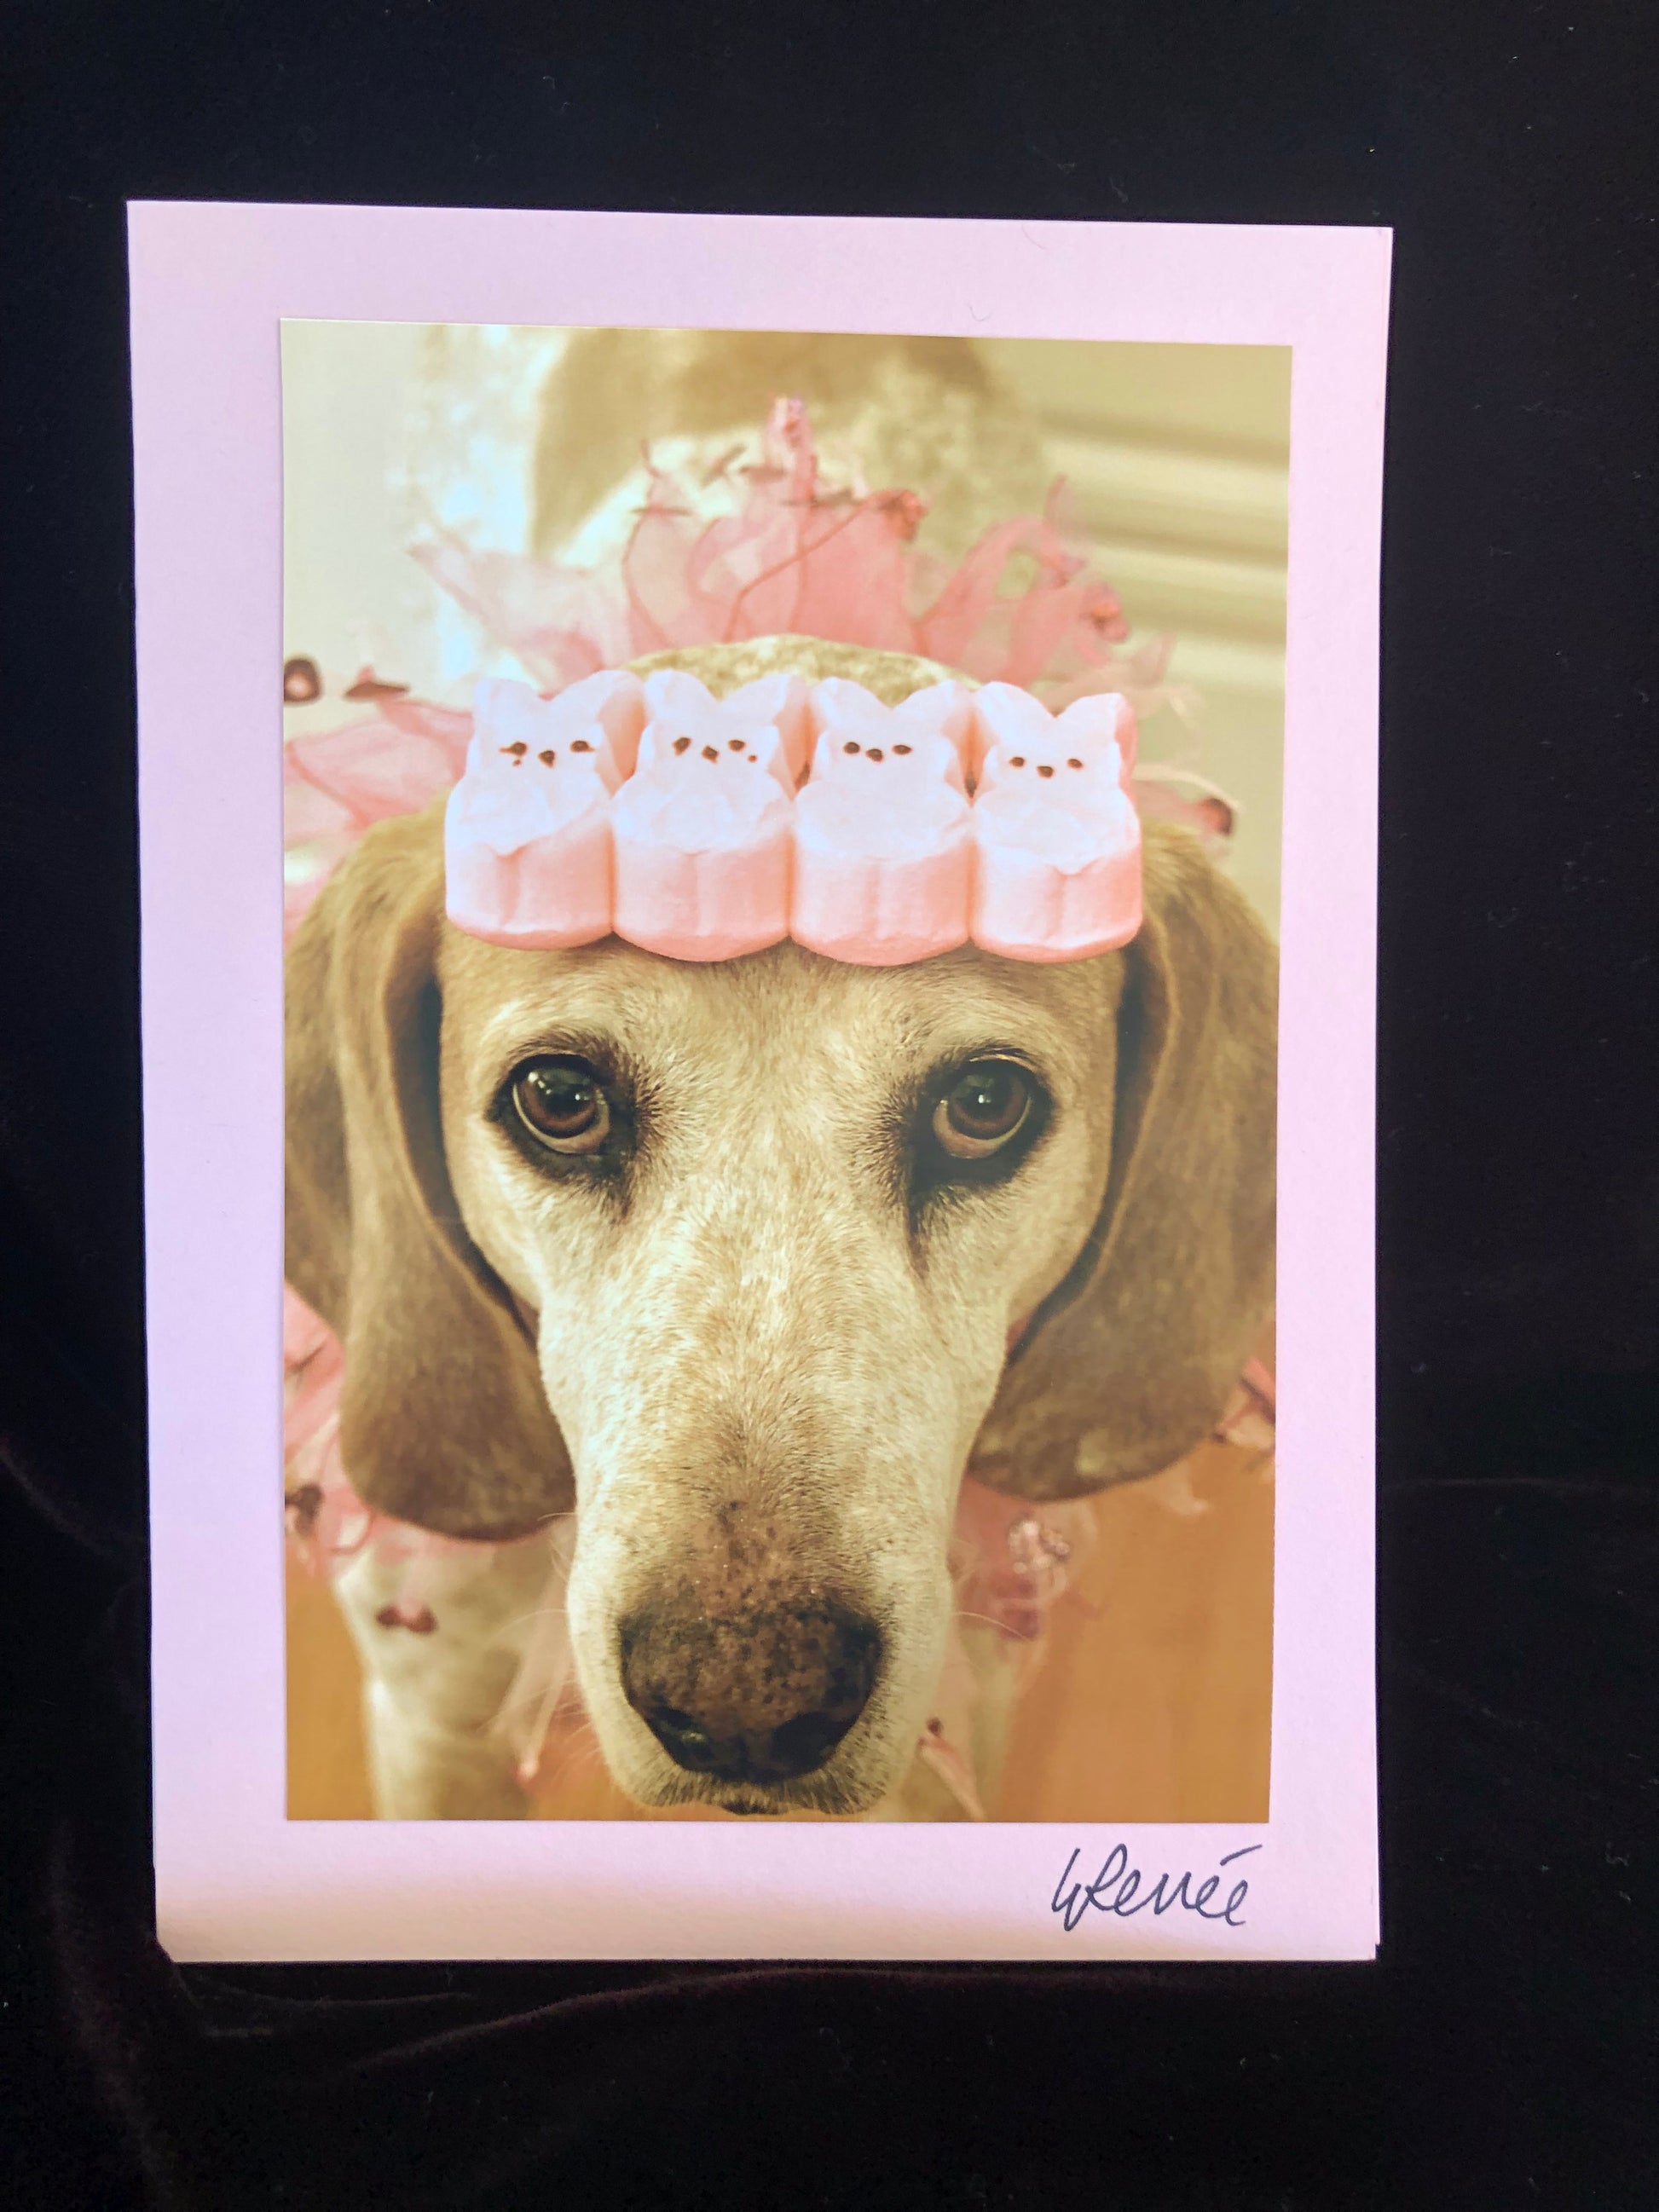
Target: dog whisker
point(988, 1620)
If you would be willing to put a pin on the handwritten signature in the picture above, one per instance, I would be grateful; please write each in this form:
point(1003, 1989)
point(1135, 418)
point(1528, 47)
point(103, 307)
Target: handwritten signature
point(1117, 1889)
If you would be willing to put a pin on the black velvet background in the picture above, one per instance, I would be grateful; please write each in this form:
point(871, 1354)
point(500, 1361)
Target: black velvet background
point(1503, 2050)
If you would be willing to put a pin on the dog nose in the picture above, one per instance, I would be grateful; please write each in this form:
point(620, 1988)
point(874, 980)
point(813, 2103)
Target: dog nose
point(762, 1698)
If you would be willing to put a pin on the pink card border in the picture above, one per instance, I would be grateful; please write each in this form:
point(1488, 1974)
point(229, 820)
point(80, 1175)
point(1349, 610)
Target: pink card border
point(234, 1879)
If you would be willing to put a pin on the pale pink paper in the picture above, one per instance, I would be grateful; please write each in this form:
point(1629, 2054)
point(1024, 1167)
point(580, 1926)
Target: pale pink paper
point(235, 1879)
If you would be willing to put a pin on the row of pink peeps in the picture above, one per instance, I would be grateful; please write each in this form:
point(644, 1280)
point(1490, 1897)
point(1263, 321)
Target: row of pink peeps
point(704, 830)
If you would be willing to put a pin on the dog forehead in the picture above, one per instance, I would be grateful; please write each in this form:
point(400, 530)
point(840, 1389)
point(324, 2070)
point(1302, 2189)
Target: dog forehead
point(787, 1006)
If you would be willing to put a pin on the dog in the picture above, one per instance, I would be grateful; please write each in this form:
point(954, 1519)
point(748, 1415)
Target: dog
point(748, 1263)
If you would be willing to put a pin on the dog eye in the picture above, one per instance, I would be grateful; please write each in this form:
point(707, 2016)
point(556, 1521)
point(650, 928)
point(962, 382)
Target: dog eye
point(562, 1102)
point(989, 1102)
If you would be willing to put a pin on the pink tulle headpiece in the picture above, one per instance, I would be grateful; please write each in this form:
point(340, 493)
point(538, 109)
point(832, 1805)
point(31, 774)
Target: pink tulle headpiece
point(791, 558)
point(797, 558)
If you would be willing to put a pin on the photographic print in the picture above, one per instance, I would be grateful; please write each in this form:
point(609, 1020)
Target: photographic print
point(783, 901)
point(781, 1046)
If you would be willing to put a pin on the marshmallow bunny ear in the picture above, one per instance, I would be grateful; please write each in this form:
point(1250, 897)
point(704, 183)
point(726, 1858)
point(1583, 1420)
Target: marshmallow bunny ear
point(442, 1421)
point(1131, 1362)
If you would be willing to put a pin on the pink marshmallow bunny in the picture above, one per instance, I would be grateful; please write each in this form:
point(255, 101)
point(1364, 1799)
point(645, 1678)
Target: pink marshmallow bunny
point(527, 829)
point(883, 860)
point(701, 829)
point(1056, 834)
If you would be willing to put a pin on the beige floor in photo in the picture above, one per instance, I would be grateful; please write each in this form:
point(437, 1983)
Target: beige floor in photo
point(1152, 1704)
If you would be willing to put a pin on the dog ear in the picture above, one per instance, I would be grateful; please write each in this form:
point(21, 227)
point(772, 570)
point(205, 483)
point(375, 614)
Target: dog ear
point(442, 1419)
point(1130, 1362)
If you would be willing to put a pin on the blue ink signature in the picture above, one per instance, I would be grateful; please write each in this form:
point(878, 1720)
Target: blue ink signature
point(1117, 1889)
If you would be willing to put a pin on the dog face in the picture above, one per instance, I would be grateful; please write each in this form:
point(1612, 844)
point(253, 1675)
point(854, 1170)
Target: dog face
point(775, 1218)
point(730, 1255)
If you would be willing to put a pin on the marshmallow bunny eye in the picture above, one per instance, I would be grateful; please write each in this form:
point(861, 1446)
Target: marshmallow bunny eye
point(561, 1104)
point(987, 1106)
